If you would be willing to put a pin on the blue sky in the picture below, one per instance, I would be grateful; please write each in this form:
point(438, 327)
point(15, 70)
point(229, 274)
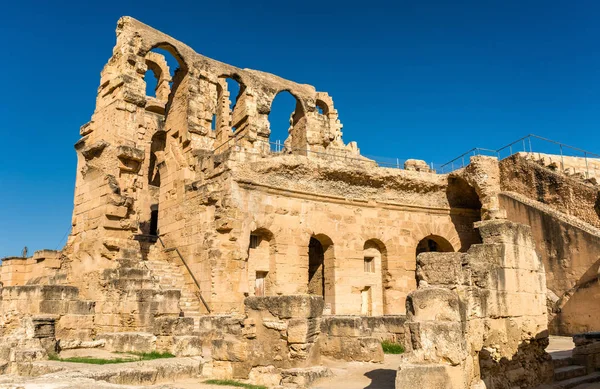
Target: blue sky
point(410, 79)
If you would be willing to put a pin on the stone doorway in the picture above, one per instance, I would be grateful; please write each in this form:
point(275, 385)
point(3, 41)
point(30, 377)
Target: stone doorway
point(321, 270)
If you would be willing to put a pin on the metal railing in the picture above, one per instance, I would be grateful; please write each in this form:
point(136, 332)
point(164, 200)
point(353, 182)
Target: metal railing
point(278, 147)
point(526, 145)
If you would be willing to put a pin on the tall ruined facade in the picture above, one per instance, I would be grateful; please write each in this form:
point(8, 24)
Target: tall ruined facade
point(193, 231)
point(315, 217)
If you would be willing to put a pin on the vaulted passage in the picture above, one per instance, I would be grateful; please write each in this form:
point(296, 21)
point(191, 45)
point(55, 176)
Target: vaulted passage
point(434, 243)
point(316, 268)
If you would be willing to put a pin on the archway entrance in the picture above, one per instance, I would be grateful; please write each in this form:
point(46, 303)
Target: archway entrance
point(316, 268)
point(321, 270)
point(434, 243)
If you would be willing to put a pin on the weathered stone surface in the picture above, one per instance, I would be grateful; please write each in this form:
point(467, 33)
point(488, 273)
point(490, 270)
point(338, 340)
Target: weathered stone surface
point(128, 341)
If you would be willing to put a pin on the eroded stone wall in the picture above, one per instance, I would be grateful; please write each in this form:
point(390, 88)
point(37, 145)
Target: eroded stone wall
point(479, 319)
point(569, 250)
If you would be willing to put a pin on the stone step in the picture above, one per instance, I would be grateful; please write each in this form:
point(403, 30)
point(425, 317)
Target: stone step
point(568, 372)
point(133, 283)
point(574, 382)
point(562, 362)
point(127, 272)
point(130, 373)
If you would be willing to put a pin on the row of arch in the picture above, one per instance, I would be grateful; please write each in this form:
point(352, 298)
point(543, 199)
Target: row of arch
point(286, 109)
point(321, 265)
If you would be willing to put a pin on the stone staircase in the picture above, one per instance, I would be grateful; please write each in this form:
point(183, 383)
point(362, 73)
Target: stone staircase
point(567, 375)
point(170, 275)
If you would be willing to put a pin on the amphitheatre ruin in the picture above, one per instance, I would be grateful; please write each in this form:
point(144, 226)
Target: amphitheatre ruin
point(193, 238)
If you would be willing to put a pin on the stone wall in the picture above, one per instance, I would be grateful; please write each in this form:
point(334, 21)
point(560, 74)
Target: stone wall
point(358, 338)
point(43, 266)
point(479, 318)
point(278, 332)
point(588, 168)
point(566, 194)
point(569, 251)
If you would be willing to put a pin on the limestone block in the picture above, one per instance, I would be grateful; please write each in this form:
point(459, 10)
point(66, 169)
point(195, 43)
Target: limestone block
point(438, 341)
point(429, 377)
point(186, 346)
point(297, 306)
point(431, 303)
point(365, 349)
point(344, 326)
point(268, 376)
point(231, 349)
point(128, 341)
point(302, 330)
point(441, 268)
point(168, 325)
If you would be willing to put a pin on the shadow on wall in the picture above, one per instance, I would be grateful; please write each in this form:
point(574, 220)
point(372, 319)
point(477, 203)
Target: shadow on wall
point(575, 311)
point(529, 366)
point(462, 195)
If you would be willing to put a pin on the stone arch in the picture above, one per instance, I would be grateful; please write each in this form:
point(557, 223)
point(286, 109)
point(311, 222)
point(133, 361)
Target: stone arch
point(158, 66)
point(321, 274)
point(295, 119)
point(322, 107)
point(261, 262)
point(375, 266)
point(157, 148)
point(229, 110)
point(434, 243)
point(296, 139)
point(171, 50)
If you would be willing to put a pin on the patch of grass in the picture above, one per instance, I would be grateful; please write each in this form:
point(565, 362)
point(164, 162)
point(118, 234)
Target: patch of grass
point(131, 357)
point(391, 347)
point(234, 383)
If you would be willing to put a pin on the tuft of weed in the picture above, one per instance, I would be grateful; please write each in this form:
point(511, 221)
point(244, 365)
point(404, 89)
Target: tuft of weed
point(391, 347)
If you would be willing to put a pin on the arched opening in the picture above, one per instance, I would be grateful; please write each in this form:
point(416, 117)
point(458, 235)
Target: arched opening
point(321, 271)
point(285, 112)
point(228, 116)
point(321, 107)
point(153, 220)
point(260, 262)
point(434, 243)
point(157, 148)
point(374, 274)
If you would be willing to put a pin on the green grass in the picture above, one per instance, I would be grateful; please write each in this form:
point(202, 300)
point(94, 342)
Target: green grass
point(391, 347)
point(131, 357)
point(234, 383)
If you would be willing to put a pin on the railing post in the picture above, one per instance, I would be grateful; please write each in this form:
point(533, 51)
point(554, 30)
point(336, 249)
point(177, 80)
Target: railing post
point(510, 149)
point(587, 169)
point(562, 160)
point(530, 149)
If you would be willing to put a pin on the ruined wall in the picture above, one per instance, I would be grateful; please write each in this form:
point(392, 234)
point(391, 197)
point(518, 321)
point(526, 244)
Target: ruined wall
point(569, 251)
point(42, 267)
point(479, 319)
point(566, 194)
point(584, 168)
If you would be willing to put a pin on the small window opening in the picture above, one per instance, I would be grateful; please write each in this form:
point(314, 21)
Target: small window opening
point(213, 124)
point(154, 222)
point(369, 265)
point(320, 110)
point(254, 241)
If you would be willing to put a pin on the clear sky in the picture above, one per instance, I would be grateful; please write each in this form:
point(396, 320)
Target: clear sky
point(410, 79)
